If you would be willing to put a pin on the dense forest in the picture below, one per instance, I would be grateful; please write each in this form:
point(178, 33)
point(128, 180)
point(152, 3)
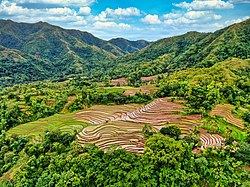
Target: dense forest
point(59, 161)
point(192, 49)
point(98, 59)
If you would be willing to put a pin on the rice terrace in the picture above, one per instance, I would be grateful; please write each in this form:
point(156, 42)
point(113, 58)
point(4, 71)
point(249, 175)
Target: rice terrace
point(122, 125)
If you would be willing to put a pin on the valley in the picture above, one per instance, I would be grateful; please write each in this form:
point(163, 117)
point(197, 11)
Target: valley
point(77, 110)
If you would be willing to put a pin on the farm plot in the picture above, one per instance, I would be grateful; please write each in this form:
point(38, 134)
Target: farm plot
point(225, 111)
point(102, 113)
point(210, 140)
point(151, 78)
point(63, 122)
point(122, 125)
point(146, 89)
point(121, 81)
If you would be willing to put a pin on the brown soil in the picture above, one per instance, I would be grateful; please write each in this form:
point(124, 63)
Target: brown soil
point(122, 124)
point(122, 81)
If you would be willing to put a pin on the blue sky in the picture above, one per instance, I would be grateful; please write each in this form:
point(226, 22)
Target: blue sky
point(131, 19)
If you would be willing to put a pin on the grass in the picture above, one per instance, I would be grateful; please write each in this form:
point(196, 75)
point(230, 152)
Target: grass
point(113, 89)
point(64, 122)
point(222, 125)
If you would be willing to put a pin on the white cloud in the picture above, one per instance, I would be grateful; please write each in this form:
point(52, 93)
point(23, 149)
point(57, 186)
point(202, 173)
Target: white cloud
point(181, 20)
point(205, 5)
point(84, 11)
point(52, 15)
point(118, 13)
point(102, 25)
point(151, 19)
point(172, 15)
point(239, 1)
point(190, 17)
point(202, 15)
point(67, 3)
point(230, 22)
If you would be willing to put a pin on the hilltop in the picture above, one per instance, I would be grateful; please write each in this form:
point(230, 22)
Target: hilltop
point(69, 53)
point(192, 49)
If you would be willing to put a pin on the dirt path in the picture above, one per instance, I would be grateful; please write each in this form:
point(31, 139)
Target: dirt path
point(70, 99)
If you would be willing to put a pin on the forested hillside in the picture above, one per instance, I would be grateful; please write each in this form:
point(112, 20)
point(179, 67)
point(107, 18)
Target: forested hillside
point(192, 49)
point(37, 150)
point(129, 46)
point(203, 88)
point(63, 52)
point(17, 67)
point(30, 37)
point(71, 52)
point(80, 111)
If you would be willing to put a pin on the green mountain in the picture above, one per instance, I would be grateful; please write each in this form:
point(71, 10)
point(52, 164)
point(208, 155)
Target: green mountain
point(192, 49)
point(68, 51)
point(129, 46)
point(22, 36)
point(227, 81)
point(61, 53)
point(17, 67)
point(65, 49)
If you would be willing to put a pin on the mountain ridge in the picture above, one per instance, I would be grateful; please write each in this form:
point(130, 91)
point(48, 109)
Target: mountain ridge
point(68, 54)
point(192, 49)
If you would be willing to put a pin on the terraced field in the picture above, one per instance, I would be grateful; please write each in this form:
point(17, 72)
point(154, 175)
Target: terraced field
point(122, 81)
point(210, 140)
point(99, 114)
point(64, 122)
point(146, 89)
point(122, 125)
point(225, 111)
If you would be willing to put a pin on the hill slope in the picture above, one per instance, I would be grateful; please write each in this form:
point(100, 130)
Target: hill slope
point(72, 52)
point(21, 36)
point(129, 46)
point(192, 49)
point(17, 67)
point(225, 82)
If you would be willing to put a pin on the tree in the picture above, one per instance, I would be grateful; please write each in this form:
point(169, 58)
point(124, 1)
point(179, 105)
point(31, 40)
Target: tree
point(147, 130)
point(243, 152)
point(172, 131)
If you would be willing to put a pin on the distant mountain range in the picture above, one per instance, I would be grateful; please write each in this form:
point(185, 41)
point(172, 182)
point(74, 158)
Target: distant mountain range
point(65, 52)
point(40, 51)
point(32, 38)
point(192, 49)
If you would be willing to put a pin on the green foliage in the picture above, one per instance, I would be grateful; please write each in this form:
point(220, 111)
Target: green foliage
point(217, 125)
point(60, 54)
point(10, 147)
point(243, 152)
point(77, 104)
point(27, 57)
point(203, 88)
point(129, 46)
point(59, 161)
point(172, 131)
point(192, 49)
point(147, 130)
point(56, 159)
point(246, 116)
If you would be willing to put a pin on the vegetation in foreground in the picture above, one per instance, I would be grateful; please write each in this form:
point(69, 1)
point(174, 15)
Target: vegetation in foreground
point(59, 161)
